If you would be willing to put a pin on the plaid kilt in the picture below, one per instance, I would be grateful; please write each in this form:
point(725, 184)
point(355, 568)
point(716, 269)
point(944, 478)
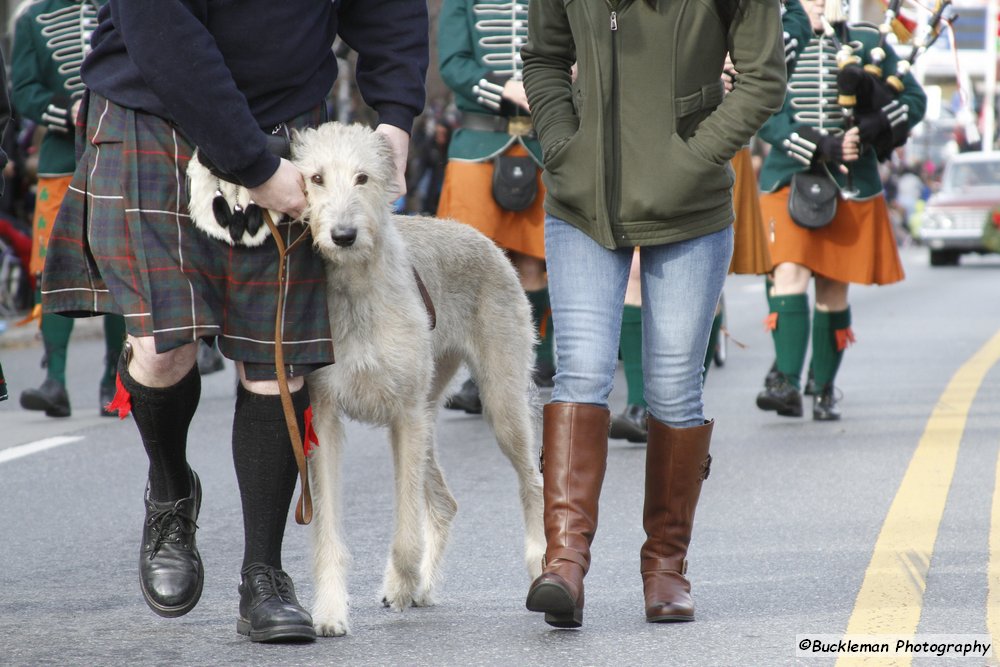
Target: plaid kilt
point(123, 243)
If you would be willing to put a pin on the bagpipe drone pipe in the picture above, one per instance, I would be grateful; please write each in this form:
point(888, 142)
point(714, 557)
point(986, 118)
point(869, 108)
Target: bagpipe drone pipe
point(869, 92)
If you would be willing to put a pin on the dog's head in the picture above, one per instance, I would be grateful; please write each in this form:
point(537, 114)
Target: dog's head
point(349, 176)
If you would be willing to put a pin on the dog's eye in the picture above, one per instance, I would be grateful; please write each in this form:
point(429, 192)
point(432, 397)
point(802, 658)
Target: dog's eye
point(361, 179)
point(317, 179)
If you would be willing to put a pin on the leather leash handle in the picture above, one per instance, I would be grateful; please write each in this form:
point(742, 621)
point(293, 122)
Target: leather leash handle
point(304, 508)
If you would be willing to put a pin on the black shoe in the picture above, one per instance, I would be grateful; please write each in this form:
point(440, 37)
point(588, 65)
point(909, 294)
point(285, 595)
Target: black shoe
point(773, 377)
point(106, 395)
point(810, 388)
point(630, 424)
point(825, 405)
point(51, 397)
point(210, 359)
point(784, 398)
point(269, 611)
point(467, 398)
point(170, 571)
point(544, 374)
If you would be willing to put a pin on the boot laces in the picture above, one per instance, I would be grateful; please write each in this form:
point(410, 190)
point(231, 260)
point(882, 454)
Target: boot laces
point(269, 582)
point(169, 526)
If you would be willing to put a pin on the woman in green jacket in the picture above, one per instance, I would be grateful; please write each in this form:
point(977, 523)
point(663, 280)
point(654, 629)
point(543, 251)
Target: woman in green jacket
point(636, 150)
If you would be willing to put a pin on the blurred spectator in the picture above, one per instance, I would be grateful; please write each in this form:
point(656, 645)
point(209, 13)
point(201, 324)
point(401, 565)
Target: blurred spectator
point(51, 38)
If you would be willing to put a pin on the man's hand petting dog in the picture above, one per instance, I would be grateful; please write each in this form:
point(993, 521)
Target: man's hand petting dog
point(284, 191)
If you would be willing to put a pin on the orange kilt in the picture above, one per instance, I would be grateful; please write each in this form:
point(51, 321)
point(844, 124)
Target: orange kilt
point(467, 196)
point(47, 202)
point(858, 246)
point(750, 253)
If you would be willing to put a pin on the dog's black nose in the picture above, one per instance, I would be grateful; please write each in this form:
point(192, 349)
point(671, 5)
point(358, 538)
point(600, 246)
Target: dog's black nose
point(344, 238)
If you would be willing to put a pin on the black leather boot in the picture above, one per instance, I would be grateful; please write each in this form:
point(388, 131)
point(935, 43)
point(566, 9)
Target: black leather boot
point(269, 610)
point(466, 398)
point(810, 388)
point(782, 397)
point(630, 424)
point(171, 574)
point(825, 405)
point(51, 397)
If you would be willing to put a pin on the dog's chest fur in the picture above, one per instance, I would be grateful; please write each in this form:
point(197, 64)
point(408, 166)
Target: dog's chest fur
point(375, 329)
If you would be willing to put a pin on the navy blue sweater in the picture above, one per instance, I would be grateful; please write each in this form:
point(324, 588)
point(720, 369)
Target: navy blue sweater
point(224, 69)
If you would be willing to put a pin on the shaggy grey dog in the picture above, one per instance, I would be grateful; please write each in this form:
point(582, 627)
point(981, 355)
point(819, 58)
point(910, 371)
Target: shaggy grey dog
point(392, 367)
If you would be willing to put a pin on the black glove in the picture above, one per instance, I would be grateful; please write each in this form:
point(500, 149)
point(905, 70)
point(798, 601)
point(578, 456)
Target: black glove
point(882, 119)
point(808, 145)
point(56, 116)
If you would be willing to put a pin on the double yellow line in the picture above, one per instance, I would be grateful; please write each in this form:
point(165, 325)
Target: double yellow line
point(891, 597)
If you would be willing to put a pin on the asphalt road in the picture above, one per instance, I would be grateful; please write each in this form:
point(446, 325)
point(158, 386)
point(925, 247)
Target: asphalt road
point(880, 522)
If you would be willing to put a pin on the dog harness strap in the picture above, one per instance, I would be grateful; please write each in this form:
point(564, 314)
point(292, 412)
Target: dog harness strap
point(304, 508)
point(426, 296)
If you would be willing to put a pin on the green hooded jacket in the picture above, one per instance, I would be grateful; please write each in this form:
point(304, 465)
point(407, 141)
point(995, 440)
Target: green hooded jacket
point(637, 148)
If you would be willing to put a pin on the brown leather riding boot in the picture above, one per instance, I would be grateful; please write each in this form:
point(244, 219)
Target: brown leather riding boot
point(574, 458)
point(677, 460)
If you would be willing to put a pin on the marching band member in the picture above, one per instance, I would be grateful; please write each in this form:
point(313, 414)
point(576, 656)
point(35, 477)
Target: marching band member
point(51, 38)
point(811, 134)
point(492, 180)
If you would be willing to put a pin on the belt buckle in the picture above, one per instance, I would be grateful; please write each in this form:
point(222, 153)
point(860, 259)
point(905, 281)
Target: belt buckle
point(519, 126)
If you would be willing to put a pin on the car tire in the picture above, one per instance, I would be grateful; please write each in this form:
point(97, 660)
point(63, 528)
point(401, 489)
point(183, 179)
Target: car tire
point(944, 258)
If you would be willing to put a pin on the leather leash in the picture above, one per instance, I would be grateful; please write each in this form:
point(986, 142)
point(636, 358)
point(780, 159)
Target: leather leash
point(304, 508)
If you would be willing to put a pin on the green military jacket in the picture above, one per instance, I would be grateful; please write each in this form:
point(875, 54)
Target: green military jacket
point(51, 38)
point(812, 101)
point(637, 148)
point(479, 45)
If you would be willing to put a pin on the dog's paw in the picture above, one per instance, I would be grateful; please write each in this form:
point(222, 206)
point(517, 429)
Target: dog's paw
point(330, 617)
point(424, 598)
point(329, 627)
point(396, 597)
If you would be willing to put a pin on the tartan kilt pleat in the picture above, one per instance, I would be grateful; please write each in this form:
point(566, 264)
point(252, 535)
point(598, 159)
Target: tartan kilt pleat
point(124, 243)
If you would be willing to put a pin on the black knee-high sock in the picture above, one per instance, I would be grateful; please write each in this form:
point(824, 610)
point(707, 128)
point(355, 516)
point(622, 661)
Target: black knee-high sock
point(265, 470)
point(163, 416)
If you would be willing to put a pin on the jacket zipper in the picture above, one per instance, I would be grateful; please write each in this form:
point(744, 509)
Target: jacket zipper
point(615, 181)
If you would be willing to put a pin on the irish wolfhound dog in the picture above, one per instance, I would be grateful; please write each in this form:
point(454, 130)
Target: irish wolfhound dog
point(392, 367)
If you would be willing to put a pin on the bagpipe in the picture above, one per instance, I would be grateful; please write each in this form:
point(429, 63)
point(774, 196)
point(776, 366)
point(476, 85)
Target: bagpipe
point(867, 92)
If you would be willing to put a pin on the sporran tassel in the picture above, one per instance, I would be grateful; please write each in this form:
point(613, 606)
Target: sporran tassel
point(238, 224)
point(220, 209)
point(255, 218)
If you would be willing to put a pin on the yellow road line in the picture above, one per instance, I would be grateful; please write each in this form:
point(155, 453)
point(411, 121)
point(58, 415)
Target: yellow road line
point(993, 569)
point(891, 596)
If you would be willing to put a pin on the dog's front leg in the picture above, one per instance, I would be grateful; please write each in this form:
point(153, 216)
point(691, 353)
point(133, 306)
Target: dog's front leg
point(330, 555)
point(409, 434)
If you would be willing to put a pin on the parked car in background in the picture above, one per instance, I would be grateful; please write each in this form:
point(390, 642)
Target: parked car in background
point(953, 219)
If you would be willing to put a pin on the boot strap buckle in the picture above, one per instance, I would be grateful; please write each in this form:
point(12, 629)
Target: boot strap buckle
point(706, 467)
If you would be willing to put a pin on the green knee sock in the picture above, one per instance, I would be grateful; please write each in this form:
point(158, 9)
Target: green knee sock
point(114, 338)
point(55, 335)
point(541, 314)
point(630, 346)
point(790, 321)
point(713, 340)
point(831, 335)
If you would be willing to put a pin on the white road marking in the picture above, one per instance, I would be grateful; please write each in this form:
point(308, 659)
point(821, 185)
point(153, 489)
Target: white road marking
point(30, 448)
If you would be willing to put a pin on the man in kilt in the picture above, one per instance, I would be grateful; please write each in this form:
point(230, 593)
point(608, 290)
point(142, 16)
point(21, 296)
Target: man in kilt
point(164, 78)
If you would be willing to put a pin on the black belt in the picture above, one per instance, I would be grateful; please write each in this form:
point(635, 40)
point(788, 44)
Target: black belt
point(516, 126)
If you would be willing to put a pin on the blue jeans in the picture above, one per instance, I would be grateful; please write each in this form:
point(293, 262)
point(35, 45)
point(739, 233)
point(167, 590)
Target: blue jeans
point(681, 286)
